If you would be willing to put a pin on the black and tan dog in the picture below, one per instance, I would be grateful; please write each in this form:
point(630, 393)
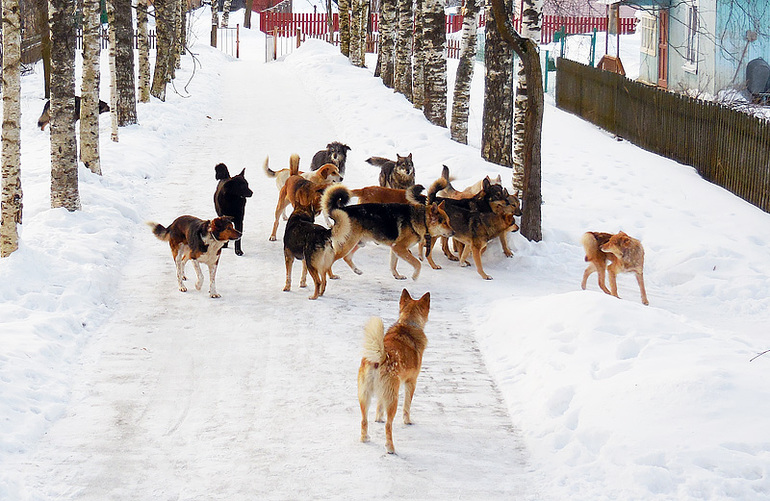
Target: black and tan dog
point(230, 198)
point(398, 174)
point(199, 241)
point(391, 359)
point(489, 214)
point(314, 245)
point(399, 226)
point(335, 153)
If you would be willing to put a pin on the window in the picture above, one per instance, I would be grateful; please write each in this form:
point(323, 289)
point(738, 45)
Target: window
point(691, 52)
point(647, 25)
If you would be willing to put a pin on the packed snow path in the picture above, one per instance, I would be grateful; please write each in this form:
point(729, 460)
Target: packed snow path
point(253, 396)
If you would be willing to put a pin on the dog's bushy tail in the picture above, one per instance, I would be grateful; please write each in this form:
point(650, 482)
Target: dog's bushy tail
point(374, 341)
point(334, 197)
point(438, 185)
point(377, 161)
point(159, 231)
point(266, 167)
point(590, 244)
point(414, 195)
point(294, 164)
point(341, 228)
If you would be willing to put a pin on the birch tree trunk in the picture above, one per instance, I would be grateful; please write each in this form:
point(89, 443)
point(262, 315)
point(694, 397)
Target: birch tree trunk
point(184, 7)
point(497, 132)
point(402, 81)
point(144, 51)
point(530, 28)
point(89, 88)
point(64, 155)
point(172, 13)
point(354, 49)
point(462, 92)
point(387, 41)
point(418, 58)
point(10, 199)
point(45, 43)
point(113, 78)
point(226, 13)
point(344, 8)
point(527, 50)
point(214, 18)
point(434, 30)
point(163, 45)
point(122, 20)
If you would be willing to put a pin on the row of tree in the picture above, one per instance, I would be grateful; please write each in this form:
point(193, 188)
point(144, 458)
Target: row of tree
point(411, 61)
point(59, 46)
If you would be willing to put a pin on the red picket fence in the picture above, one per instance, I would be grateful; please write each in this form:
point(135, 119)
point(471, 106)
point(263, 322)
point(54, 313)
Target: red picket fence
point(314, 25)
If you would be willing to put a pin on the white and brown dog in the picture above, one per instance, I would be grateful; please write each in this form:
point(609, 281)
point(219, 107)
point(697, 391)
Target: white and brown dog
point(199, 241)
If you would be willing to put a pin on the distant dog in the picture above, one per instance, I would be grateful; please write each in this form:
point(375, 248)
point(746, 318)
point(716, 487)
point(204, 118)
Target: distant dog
point(468, 192)
point(391, 359)
point(335, 153)
point(398, 174)
point(624, 253)
point(399, 226)
point(306, 192)
point(230, 198)
point(314, 244)
point(199, 241)
point(45, 117)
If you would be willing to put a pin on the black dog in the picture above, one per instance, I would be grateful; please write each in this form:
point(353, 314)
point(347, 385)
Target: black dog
point(335, 153)
point(398, 174)
point(45, 117)
point(230, 198)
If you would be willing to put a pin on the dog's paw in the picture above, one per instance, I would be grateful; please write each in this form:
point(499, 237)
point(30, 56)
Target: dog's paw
point(364, 438)
point(198, 285)
point(357, 271)
point(287, 288)
point(453, 258)
point(272, 238)
point(399, 277)
point(334, 277)
point(182, 288)
point(238, 252)
point(465, 264)
point(215, 295)
point(486, 277)
point(303, 284)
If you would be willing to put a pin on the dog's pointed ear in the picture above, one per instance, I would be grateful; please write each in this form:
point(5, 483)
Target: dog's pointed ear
point(347, 148)
point(404, 298)
point(485, 183)
point(243, 172)
point(425, 301)
point(409, 156)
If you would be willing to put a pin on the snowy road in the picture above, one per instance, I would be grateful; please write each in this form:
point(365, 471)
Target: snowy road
point(253, 396)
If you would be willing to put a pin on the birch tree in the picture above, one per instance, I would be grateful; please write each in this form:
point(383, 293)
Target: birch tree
point(121, 20)
point(89, 88)
point(143, 42)
point(527, 50)
point(64, 156)
point(344, 8)
point(357, 33)
point(532, 13)
point(497, 131)
point(434, 40)
point(385, 54)
point(10, 199)
point(163, 49)
point(462, 91)
point(402, 80)
point(113, 78)
point(226, 13)
point(418, 55)
point(41, 10)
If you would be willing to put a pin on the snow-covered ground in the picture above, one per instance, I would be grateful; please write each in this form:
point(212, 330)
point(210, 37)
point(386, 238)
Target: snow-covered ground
point(113, 385)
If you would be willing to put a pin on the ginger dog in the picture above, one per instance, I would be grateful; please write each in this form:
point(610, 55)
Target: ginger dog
point(624, 253)
point(390, 359)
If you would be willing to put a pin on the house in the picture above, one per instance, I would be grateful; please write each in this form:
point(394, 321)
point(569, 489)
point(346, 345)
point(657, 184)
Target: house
point(701, 47)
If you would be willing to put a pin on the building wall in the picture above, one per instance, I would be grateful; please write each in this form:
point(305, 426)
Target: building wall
point(737, 26)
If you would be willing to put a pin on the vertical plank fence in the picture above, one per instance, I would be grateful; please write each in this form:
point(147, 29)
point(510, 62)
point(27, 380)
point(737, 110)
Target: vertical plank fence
point(727, 147)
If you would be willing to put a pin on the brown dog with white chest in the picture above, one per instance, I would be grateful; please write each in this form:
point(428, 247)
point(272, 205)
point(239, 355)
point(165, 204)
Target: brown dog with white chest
point(391, 359)
point(618, 253)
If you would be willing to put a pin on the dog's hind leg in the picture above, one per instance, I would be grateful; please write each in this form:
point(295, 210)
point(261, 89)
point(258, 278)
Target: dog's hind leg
point(393, 263)
point(239, 226)
point(364, 398)
point(316, 281)
point(640, 280)
point(390, 397)
point(180, 261)
point(589, 269)
point(477, 259)
point(289, 259)
point(303, 278)
point(445, 248)
point(409, 386)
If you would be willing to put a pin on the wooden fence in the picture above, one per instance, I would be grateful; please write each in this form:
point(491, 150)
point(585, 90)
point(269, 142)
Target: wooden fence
point(726, 146)
point(314, 25)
